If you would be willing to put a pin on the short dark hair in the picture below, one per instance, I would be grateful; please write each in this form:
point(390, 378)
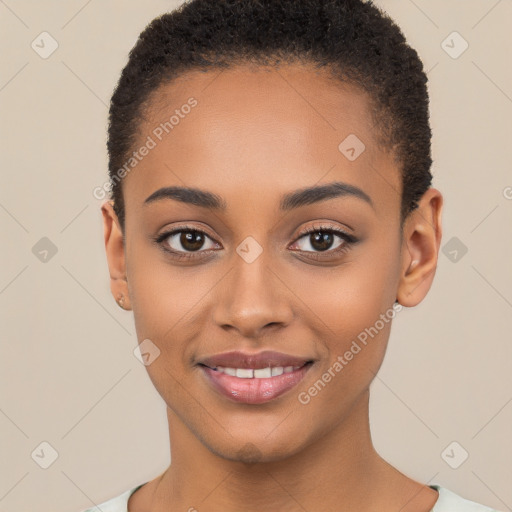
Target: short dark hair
point(354, 39)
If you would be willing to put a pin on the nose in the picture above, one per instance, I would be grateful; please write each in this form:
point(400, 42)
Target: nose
point(252, 299)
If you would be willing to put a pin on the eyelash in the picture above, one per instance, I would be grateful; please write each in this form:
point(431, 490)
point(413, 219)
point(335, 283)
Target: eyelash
point(348, 239)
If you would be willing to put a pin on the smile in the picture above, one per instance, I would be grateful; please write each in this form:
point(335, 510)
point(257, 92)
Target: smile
point(254, 385)
point(256, 373)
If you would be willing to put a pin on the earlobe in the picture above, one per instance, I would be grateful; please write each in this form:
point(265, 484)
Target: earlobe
point(420, 249)
point(115, 251)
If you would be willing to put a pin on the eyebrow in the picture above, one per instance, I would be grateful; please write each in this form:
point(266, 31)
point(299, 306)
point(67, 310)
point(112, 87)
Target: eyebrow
point(289, 201)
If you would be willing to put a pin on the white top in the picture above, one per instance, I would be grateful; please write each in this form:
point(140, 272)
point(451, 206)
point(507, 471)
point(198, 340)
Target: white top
point(448, 501)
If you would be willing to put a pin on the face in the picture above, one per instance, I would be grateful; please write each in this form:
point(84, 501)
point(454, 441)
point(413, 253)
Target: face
point(274, 266)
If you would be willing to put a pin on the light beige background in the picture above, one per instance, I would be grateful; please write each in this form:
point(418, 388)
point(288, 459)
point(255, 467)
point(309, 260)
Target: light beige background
point(68, 373)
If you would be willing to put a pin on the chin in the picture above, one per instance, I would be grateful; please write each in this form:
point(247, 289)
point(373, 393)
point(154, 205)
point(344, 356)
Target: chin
point(256, 449)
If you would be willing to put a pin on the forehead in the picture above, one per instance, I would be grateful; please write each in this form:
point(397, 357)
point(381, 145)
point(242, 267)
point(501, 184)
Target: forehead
point(270, 129)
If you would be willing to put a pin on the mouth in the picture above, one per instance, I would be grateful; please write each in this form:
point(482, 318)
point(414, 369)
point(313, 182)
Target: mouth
point(254, 379)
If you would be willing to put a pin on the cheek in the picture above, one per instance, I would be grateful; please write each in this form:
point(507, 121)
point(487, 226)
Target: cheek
point(354, 310)
point(352, 298)
point(162, 310)
point(165, 297)
point(354, 344)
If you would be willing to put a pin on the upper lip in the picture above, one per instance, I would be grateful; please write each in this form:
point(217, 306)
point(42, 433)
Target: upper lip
point(237, 359)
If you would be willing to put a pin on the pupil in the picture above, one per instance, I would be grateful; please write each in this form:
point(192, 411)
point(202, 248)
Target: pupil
point(191, 240)
point(321, 241)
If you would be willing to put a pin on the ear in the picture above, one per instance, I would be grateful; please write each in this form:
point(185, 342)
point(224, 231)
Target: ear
point(114, 246)
point(420, 248)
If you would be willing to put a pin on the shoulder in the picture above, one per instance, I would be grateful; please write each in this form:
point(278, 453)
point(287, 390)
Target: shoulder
point(448, 501)
point(117, 504)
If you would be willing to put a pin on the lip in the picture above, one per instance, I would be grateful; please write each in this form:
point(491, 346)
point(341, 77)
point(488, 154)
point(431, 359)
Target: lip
point(237, 359)
point(254, 390)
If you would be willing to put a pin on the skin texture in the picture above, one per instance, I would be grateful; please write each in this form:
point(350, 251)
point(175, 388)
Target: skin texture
point(256, 134)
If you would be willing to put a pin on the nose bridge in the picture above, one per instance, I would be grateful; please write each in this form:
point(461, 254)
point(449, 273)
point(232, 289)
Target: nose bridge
point(251, 298)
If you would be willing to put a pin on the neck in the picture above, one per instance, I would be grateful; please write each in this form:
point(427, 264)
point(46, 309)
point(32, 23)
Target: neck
point(339, 471)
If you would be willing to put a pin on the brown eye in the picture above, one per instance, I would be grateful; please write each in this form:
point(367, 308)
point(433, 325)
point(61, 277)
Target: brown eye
point(323, 240)
point(185, 242)
point(191, 240)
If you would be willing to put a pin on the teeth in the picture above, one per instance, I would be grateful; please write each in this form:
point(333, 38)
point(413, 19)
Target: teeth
point(258, 373)
point(261, 373)
point(244, 373)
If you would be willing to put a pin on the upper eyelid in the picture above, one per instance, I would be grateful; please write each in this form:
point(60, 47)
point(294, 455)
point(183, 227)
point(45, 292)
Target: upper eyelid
point(337, 231)
point(180, 229)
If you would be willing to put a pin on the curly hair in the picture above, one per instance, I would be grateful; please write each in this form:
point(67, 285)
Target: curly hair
point(354, 39)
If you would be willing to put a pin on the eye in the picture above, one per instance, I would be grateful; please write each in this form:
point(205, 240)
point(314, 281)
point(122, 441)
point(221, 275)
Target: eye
point(320, 241)
point(324, 239)
point(185, 241)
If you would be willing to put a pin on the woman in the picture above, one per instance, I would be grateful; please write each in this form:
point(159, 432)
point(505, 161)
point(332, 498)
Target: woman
point(271, 212)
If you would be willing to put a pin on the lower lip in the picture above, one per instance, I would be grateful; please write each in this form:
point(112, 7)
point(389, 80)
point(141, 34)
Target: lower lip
point(254, 391)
